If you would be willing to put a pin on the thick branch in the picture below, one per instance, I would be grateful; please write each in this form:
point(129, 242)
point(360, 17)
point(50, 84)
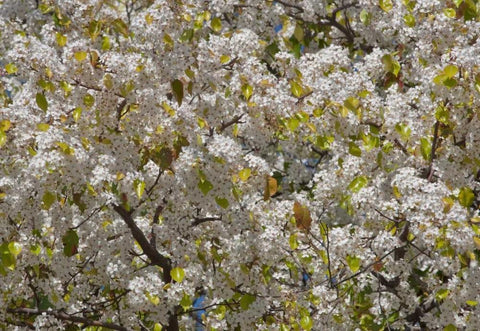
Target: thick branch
point(155, 257)
point(65, 317)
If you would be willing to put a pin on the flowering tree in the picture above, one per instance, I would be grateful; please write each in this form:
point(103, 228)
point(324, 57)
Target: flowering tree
point(239, 164)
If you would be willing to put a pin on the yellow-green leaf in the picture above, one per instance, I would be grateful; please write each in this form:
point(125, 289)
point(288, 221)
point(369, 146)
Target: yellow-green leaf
point(177, 274)
point(409, 20)
point(247, 91)
point(77, 112)
point(139, 187)
point(354, 263)
point(450, 70)
point(11, 68)
point(386, 5)
point(5, 125)
point(244, 174)
point(354, 149)
point(3, 138)
point(216, 24)
point(358, 183)
point(80, 56)
point(450, 12)
point(61, 39)
point(466, 197)
point(43, 126)
point(296, 88)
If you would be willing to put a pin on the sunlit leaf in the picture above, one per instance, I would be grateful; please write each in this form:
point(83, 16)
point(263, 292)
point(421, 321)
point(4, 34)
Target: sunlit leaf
point(177, 274)
point(358, 183)
point(244, 174)
point(139, 187)
point(270, 187)
point(466, 197)
point(354, 263)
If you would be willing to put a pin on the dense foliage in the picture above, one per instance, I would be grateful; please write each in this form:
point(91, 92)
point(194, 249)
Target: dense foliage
point(239, 164)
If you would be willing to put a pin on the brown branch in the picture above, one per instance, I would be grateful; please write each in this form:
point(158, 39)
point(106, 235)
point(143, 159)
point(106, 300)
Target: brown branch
point(198, 221)
point(234, 120)
point(65, 317)
point(155, 257)
point(399, 144)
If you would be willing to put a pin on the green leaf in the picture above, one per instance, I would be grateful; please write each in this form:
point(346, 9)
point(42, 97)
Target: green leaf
point(247, 91)
point(120, 27)
point(442, 114)
point(457, 2)
point(296, 88)
point(450, 327)
point(365, 17)
point(306, 322)
point(70, 243)
point(222, 202)
point(386, 5)
point(466, 197)
point(450, 83)
point(80, 56)
point(390, 64)
point(186, 302)
point(205, 186)
point(48, 199)
point(42, 101)
point(14, 248)
point(298, 32)
point(177, 274)
point(177, 89)
point(354, 149)
point(409, 20)
point(11, 68)
point(352, 103)
point(3, 138)
point(61, 39)
point(187, 35)
point(7, 258)
point(403, 130)
point(43, 126)
point(157, 327)
point(139, 187)
point(216, 24)
point(425, 148)
point(354, 263)
point(450, 70)
point(293, 242)
point(358, 183)
point(77, 112)
point(244, 174)
point(439, 79)
point(442, 294)
point(471, 303)
point(88, 100)
point(450, 12)
point(246, 300)
point(293, 123)
point(105, 43)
